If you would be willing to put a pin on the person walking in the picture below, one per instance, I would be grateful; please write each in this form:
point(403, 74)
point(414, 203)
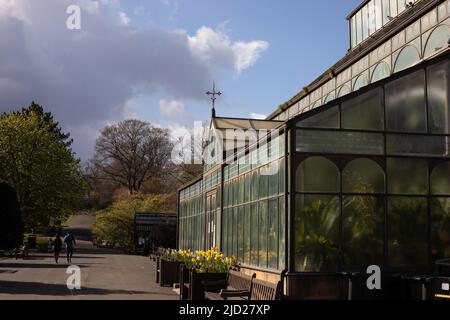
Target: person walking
point(69, 240)
point(49, 244)
point(57, 245)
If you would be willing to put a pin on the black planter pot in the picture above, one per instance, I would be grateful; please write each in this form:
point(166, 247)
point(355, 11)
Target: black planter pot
point(169, 273)
point(196, 289)
point(184, 282)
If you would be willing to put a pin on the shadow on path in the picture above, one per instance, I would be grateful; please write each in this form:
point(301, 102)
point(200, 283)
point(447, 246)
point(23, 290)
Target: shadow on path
point(42, 257)
point(36, 265)
point(34, 288)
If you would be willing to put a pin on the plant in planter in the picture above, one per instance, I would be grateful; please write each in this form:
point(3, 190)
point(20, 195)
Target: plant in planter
point(170, 266)
point(208, 265)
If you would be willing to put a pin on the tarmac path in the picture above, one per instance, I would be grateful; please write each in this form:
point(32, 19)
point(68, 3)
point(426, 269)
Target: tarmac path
point(105, 274)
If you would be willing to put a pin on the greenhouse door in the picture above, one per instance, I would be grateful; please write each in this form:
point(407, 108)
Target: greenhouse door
point(211, 208)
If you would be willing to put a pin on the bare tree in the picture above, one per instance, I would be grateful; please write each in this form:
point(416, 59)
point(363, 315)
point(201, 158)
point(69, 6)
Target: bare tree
point(190, 156)
point(131, 152)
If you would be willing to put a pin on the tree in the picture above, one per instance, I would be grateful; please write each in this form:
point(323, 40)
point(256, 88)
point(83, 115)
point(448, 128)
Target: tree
point(51, 124)
point(131, 152)
point(36, 160)
point(11, 228)
point(116, 223)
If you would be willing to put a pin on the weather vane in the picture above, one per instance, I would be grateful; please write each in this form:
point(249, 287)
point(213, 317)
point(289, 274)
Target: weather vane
point(214, 95)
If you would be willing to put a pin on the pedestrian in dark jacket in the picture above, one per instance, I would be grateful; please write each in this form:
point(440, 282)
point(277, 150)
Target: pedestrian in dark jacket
point(57, 246)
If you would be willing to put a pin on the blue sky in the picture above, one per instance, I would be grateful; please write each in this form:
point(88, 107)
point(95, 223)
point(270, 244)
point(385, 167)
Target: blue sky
point(155, 59)
point(305, 38)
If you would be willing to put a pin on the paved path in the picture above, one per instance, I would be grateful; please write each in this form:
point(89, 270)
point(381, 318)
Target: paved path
point(105, 274)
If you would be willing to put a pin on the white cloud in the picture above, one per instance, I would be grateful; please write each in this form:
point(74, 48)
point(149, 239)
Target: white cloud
point(247, 53)
point(257, 116)
point(171, 109)
point(214, 46)
point(123, 18)
point(138, 10)
point(129, 110)
point(88, 77)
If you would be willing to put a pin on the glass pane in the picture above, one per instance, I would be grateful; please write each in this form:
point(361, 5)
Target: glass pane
point(408, 57)
point(241, 190)
point(317, 174)
point(236, 191)
point(405, 103)
point(247, 239)
point(363, 176)
point(362, 81)
point(329, 98)
point(401, 6)
point(263, 155)
point(353, 26)
point(316, 233)
point(437, 40)
point(263, 223)
point(254, 234)
point(235, 232)
point(440, 228)
point(363, 232)
point(417, 145)
point(273, 179)
point(281, 175)
point(372, 21)
point(407, 233)
point(393, 8)
point(340, 142)
point(240, 233)
point(378, 14)
point(282, 235)
point(407, 176)
point(358, 28)
point(440, 179)
point(344, 91)
point(248, 182)
point(225, 232)
point(364, 111)
point(274, 148)
point(282, 145)
point(255, 185)
point(438, 97)
point(263, 182)
point(386, 13)
point(272, 237)
point(381, 71)
point(324, 119)
point(365, 22)
point(225, 195)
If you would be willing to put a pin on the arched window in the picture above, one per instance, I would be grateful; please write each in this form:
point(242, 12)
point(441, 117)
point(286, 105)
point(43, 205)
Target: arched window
point(437, 40)
point(316, 105)
point(317, 174)
point(360, 82)
point(344, 91)
point(407, 57)
point(329, 98)
point(363, 176)
point(381, 71)
point(440, 179)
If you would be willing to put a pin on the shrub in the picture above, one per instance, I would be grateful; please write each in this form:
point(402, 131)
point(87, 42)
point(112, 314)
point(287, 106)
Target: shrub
point(116, 223)
point(11, 228)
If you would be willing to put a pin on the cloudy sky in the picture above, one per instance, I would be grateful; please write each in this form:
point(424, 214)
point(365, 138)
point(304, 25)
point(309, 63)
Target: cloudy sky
point(155, 59)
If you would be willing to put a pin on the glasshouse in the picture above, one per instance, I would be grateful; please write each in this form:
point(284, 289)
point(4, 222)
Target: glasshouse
point(353, 171)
